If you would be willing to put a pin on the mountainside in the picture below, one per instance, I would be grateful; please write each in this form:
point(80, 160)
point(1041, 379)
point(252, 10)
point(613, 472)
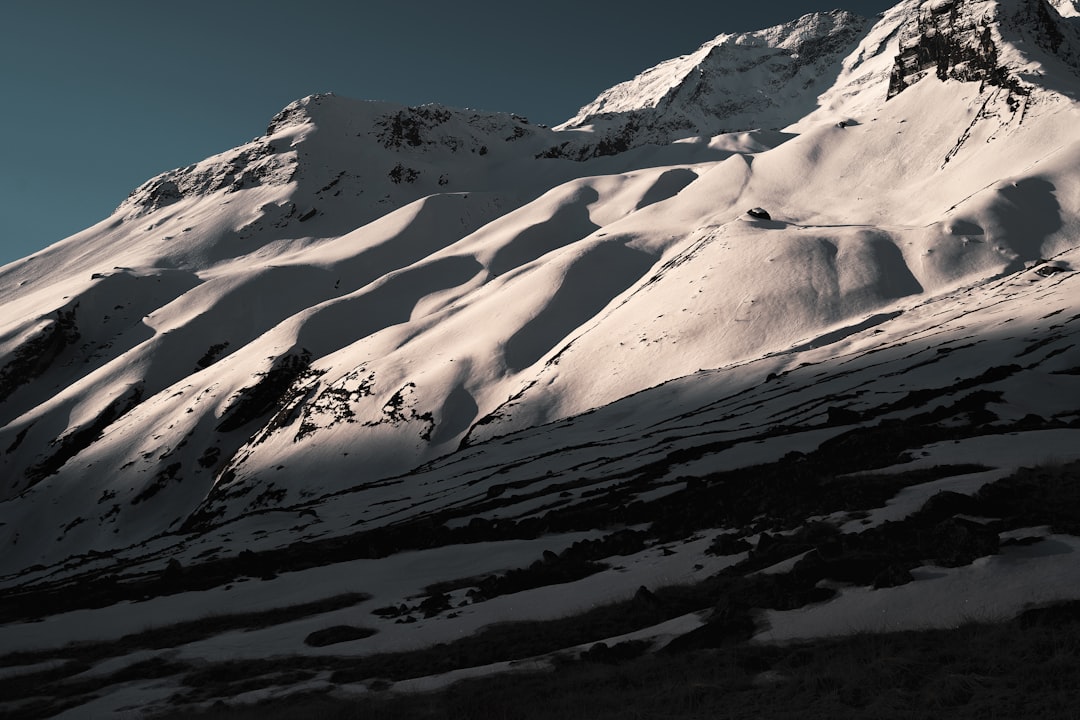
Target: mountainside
point(366, 369)
point(764, 79)
point(1066, 8)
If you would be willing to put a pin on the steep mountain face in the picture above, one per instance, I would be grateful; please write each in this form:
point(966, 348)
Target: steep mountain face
point(206, 299)
point(764, 79)
point(976, 41)
point(1066, 8)
point(368, 287)
point(421, 346)
point(325, 166)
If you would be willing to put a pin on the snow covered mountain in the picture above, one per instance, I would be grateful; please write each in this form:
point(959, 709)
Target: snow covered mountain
point(427, 344)
point(764, 79)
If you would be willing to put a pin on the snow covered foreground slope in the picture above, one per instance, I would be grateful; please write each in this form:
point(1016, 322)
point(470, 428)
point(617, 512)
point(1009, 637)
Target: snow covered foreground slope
point(378, 335)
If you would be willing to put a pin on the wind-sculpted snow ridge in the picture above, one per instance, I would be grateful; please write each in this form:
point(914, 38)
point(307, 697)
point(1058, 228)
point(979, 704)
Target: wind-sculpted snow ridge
point(388, 374)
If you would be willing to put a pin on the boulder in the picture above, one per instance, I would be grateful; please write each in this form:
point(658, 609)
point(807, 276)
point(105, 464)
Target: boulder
point(759, 213)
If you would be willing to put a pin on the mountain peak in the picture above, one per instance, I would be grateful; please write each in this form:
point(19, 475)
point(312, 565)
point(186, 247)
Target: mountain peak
point(349, 161)
point(766, 78)
point(298, 112)
point(409, 350)
point(804, 36)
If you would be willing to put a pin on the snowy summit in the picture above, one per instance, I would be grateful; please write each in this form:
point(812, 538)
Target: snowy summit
point(764, 79)
point(416, 370)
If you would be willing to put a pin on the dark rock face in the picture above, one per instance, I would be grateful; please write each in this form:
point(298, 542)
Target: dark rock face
point(1045, 27)
point(728, 544)
point(211, 356)
point(74, 442)
point(948, 40)
point(960, 541)
point(263, 397)
point(257, 164)
point(426, 126)
point(951, 41)
point(892, 576)
point(37, 354)
point(407, 127)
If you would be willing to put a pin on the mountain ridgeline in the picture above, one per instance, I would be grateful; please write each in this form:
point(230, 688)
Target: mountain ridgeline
point(383, 278)
point(377, 329)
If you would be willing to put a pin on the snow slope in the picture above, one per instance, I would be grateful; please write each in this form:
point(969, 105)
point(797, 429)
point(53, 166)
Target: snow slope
point(769, 78)
point(424, 322)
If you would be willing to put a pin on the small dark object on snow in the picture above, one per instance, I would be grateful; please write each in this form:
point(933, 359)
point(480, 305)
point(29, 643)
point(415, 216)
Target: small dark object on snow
point(337, 634)
point(843, 416)
point(894, 575)
point(645, 596)
point(759, 213)
point(1048, 270)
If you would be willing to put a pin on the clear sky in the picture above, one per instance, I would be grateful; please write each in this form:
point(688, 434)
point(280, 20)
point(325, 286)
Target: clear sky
point(98, 96)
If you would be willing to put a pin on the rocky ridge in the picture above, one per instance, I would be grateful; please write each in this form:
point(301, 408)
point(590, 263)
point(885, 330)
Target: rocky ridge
point(386, 375)
point(964, 40)
point(769, 78)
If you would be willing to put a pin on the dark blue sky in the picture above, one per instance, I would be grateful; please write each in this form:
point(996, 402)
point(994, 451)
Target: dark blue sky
point(100, 96)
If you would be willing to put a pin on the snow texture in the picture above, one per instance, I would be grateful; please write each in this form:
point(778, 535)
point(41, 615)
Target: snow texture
point(376, 315)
